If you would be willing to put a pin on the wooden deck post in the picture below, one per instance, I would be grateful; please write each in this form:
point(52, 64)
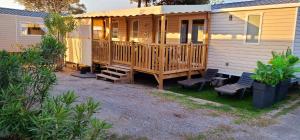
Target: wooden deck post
point(127, 29)
point(92, 38)
point(153, 29)
point(110, 41)
point(162, 52)
point(206, 43)
point(190, 49)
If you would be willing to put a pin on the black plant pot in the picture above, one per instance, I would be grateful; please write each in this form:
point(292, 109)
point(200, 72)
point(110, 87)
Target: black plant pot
point(282, 90)
point(263, 95)
point(84, 70)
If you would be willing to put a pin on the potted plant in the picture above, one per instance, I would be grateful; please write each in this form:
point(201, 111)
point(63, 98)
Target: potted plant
point(284, 63)
point(264, 88)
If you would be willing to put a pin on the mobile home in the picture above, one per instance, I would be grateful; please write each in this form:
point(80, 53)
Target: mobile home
point(183, 40)
point(20, 28)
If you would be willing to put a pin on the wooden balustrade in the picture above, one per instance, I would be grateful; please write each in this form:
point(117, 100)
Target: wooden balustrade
point(183, 57)
point(100, 51)
point(121, 52)
point(145, 57)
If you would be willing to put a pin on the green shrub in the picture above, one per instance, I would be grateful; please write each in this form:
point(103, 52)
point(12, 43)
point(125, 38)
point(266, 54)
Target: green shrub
point(281, 67)
point(285, 64)
point(266, 74)
point(27, 111)
point(52, 50)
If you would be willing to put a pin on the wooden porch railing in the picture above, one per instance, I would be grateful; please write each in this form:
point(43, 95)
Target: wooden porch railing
point(100, 51)
point(145, 57)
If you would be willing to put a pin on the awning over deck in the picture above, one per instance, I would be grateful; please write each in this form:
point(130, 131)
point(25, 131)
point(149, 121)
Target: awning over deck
point(154, 10)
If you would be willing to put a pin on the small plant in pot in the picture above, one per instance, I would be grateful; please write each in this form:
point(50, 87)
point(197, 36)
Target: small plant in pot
point(264, 88)
point(284, 64)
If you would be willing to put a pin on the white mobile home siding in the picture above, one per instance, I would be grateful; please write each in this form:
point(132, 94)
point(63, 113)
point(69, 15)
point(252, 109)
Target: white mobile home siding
point(296, 49)
point(10, 32)
point(79, 43)
point(228, 51)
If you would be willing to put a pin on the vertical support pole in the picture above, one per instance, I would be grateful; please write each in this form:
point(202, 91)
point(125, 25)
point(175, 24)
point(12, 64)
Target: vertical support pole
point(162, 52)
point(190, 49)
point(110, 41)
point(127, 29)
point(104, 28)
point(132, 62)
point(206, 43)
point(92, 38)
point(153, 29)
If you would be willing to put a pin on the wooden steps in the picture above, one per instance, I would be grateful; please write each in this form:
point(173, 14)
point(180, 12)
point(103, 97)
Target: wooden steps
point(115, 73)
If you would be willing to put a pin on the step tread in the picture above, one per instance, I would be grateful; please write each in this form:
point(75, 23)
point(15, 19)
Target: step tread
point(114, 73)
point(122, 67)
point(108, 77)
point(118, 69)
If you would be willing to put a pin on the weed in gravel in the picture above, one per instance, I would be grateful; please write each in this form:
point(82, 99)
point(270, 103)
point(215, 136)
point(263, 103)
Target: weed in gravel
point(262, 122)
point(221, 132)
point(286, 110)
point(125, 137)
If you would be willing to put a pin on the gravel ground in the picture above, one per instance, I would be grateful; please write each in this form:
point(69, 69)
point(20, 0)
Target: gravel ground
point(134, 112)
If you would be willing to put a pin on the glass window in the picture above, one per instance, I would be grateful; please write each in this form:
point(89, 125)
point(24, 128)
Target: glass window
point(115, 30)
point(198, 31)
point(253, 28)
point(184, 31)
point(135, 29)
point(98, 28)
point(32, 29)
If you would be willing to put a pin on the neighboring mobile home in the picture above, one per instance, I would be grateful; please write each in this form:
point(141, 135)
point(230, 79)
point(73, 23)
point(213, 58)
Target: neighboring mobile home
point(243, 33)
point(20, 27)
point(182, 40)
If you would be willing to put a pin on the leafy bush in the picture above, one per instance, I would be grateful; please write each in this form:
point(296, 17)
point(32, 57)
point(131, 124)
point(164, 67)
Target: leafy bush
point(285, 64)
point(281, 67)
point(266, 74)
point(52, 50)
point(27, 111)
point(59, 25)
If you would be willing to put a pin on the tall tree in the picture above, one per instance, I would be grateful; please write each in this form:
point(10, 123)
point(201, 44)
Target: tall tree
point(145, 2)
point(181, 2)
point(169, 2)
point(53, 6)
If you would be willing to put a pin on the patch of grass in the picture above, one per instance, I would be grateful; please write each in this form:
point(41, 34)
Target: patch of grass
point(261, 122)
point(221, 132)
point(244, 106)
point(286, 110)
point(190, 104)
point(124, 137)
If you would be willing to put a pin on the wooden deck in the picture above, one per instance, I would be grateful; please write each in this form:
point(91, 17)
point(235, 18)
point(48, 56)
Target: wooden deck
point(162, 61)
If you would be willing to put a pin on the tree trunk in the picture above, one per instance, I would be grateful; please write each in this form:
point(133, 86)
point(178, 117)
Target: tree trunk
point(139, 3)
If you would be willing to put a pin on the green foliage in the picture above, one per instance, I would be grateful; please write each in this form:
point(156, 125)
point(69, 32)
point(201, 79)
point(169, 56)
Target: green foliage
point(58, 6)
point(285, 64)
point(61, 119)
point(23, 92)
point(59, 25)
point(52, 49)
point(27, 111)
point(281, 67)
point(266, 74)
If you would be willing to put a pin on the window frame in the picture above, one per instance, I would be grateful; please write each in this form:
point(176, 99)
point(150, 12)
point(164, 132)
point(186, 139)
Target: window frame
point(189, 29)
point(136, 39)
point(118, 34)
point(261, 14)
point(204, 31)
point(26, 23)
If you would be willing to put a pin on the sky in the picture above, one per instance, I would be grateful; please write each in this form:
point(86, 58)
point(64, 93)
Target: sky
point(92, 5)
